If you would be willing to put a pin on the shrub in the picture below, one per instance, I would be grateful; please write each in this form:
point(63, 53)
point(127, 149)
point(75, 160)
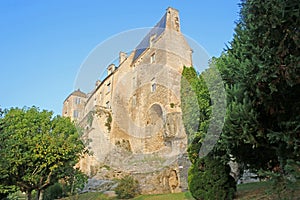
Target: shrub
point(127, 188)
point(53, 192)
point(209, 179)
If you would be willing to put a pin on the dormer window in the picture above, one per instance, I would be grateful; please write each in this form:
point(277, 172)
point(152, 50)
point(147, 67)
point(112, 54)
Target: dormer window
point(151, 41)
point(110, 69)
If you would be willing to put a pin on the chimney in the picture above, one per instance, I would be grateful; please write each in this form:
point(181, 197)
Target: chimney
point(122, 57)
point(110, 69)
point(98, 82)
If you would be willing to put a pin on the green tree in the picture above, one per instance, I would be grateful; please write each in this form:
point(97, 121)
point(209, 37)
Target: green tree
point(209, 176)
point(209, 179)
point(262, 72)
point(74, 182)
point(37, 149)
point(195, 103)
point(189, 106)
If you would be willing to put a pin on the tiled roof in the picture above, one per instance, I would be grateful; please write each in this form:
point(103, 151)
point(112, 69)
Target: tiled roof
point(157, 30)
point(79, 93)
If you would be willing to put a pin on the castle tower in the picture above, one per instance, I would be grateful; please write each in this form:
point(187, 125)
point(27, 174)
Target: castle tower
point(74, 105)
point(137, 109)
point(172, 21)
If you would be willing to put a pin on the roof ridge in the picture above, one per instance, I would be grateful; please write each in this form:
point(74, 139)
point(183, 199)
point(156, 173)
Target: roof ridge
point(157, 30)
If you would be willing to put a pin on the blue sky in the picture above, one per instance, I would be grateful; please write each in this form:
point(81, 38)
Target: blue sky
point(43, 43)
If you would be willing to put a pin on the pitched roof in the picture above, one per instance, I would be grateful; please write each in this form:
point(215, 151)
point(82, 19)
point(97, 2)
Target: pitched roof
point(157, 30)
point(79, 93)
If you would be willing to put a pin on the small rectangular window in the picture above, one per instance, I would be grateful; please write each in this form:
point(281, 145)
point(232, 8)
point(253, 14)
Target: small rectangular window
point(152, 58)
point(77, 100)
point(134, 101)
point(108, 87)
point(108, 105)
point(153, 87)
point(75, 114)
point(133, 82)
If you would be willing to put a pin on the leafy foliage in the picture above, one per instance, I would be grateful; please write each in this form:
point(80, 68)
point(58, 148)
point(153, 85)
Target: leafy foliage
point(108, 121)
point(74, 182)
point(127, 187)
point(36, 149)
point(209, 179)
point(209, 175)
point(261, 69)
point(54, 191)
point(195, 103)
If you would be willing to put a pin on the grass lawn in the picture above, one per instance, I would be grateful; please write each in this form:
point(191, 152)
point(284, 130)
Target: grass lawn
point(176, 196)
point(249, 191)
point(253, 191)
point(99, 196)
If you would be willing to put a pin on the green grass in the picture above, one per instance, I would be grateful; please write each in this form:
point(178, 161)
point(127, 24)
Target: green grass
point(99, 196)
point(88, 196)
point(174, 196)
point(255, 190)
point(253, 186)
point(248, 191)
point(260, 190)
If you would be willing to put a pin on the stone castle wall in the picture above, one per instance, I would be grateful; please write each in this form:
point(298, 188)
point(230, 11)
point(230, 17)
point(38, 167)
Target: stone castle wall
point(133, 117)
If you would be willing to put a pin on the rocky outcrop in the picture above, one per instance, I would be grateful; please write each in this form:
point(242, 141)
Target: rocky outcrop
point(96, 185)
point(156, 174)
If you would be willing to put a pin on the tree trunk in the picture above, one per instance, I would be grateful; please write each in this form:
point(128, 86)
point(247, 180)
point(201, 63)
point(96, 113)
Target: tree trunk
point(39, 194)
point(28, 193)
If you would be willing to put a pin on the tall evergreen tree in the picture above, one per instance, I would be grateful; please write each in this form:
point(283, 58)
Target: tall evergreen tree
point(209, 176)
point(262, 72)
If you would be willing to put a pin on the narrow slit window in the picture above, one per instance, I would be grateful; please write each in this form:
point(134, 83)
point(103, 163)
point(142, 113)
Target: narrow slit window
point(108, 105)
point(152, 58)
point(108, 87)
point(153, 87)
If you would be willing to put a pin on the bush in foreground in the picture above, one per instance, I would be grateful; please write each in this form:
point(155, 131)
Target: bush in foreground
point(127, 188)
point(209, 179)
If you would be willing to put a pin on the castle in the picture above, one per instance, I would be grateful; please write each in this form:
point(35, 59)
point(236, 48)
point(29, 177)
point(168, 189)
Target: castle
point(133, 117)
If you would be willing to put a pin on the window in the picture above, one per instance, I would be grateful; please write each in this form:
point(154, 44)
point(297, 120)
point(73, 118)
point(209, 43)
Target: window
point(108, 87)
point(77, 100)
point(152, 38)
point(108, 105)
point(134, 82)
point(152, 58)
point(153, 87)
point(75, 113)
point(134, 101)
point(176, 23)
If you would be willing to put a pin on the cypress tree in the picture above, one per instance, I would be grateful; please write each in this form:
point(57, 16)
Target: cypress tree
point(262, 72)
